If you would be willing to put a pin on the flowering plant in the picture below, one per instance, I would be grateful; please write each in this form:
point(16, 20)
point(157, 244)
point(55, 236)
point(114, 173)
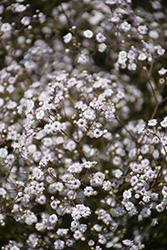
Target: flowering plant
point(83, 142)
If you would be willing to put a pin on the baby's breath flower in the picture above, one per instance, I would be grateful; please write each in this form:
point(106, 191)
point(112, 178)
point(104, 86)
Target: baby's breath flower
point(127, 194)
point(88, 191)
point(26, 20)
point(6, 27)
point(88, 33)
point(83, 59)
point(67, 38)
point(3, 153)
point(152, 122)
point(122, 57)
point(125, 26)
point(59, 244)
point(100, 37)
point(118, 173)
point(102, 47)
point(107, 185)
point(162, 71)
point(142, 29)
point(20, 8)
point(164, 122)
point(153, 34)
point(142, 56)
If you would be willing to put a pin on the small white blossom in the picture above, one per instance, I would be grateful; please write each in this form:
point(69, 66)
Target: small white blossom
point(106, 185)
point(100, 37)
point(127, 194)
point(3, 152)
point(39, 113)
point(162, 71)
point(67, 38)
point(118, 173)
point(20, 8)
point(122, 57)
point(142, 57)
point(152, 122)
point(164, 122)
point(6, 27)
point(153, 34)
point(59, 244)
point(88, 33)
point(26, 20)
point(125, 26)
point(102, 47)
point(83, 59)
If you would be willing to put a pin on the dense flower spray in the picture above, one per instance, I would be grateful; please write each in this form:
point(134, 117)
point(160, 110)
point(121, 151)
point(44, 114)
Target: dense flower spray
point(83, 142)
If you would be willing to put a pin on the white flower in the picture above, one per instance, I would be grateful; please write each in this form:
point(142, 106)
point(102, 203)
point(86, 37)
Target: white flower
point(88, 33)
point(89, 114)
point(108, 92)
point(142, 57)
point(82, 123)
point(67, 38)
point(3, 192)
point(32, 148)
point(162, 71)
point(122, 57)
point(127, 194)
point(77, 235)
point(30, 218)
point(59, 244)
point(97, 133)
point(53, 219)
point(160, 51)
point(56, 126)
point(14, 248)
point(118, 173)
point(117, 160)
point(160, 208)
point(129, 206)
point(106, 185)
point(3, 152)
point(6, 27)
point(1, 102)
point(100, 37)
point(88, 191)
point(89, 164)
point(142, 29)
point(132, 66)
point(48, 128)
point(85, 211)
point(26, 20)
point(99, 175)
point(146, 198)
point(39, 113)
point(152, 122)
point(145, 212)
point(164, 122)
point(115, 19)
point(127, 242)
point(102, 47)
point(59, 186)
point(75, 168)
point(76, 215)
point(20, 8)
point(82, 59)
point(125, 26)
point(153, 34)
point(29, 105)
point(40, 226)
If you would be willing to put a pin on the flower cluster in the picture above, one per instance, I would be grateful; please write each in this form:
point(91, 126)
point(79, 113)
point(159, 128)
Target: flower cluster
point(83, 143)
